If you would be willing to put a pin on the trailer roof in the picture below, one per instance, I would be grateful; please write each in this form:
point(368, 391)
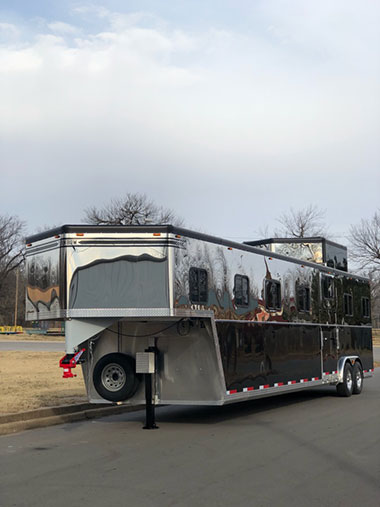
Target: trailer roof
point(310, 239)
point(183, 232)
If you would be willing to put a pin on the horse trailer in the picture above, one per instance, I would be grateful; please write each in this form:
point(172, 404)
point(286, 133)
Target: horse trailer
point(207, 320)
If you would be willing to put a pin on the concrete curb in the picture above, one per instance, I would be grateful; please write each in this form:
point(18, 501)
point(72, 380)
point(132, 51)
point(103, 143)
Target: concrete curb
point(14, 423)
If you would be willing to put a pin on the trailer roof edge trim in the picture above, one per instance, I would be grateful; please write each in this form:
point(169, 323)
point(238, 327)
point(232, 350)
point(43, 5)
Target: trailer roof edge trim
point(167, 228)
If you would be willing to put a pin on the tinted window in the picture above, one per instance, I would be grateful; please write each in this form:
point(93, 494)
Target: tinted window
point(303, 298)
point(348, 307)
point(241, 290)
point(273, 294)
point(198, 285)
point(365, 307)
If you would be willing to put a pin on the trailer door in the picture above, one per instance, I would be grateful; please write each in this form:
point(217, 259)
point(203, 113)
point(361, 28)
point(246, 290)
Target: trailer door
point(330, 343)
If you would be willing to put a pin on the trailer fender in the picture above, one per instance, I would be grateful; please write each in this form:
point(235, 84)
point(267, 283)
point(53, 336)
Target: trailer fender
point(341, 364)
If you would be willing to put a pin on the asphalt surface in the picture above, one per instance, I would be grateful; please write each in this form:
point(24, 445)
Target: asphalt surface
point(33, 346)
point(302, 449)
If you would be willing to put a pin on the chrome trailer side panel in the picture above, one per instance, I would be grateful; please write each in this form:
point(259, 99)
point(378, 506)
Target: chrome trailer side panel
point(188, 364)
point(45, 286)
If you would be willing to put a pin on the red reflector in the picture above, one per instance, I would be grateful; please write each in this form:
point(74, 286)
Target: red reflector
point(156, 234)
point(80, 234)
point(29, 244)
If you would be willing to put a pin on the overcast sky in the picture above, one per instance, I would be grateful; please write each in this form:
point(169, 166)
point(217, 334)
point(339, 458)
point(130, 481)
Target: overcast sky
point(229, 112)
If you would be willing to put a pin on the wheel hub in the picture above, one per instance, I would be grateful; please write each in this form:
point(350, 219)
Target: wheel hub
point(358, 379)
point(349, 380)
point(113, 377)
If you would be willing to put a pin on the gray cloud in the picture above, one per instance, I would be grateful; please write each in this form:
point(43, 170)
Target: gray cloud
point(228, 126)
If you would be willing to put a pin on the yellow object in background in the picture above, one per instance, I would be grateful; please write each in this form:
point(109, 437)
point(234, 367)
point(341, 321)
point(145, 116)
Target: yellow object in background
point(11, 329)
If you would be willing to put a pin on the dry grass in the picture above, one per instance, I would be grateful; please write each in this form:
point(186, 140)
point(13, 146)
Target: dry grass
point(30, 337)
point(31, 380)
point(376, 337)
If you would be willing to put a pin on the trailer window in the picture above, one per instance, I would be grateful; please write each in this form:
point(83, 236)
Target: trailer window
point(348, 306)
point(366, 311)
point(273, 294)
point(241, 290)
point(198, 285)
point(327, 287)
point(303, 298)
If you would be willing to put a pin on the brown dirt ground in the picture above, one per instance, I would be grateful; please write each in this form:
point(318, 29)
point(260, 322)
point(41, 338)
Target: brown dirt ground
point(30, 380)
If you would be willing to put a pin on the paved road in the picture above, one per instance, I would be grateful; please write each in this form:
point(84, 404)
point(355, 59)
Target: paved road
point(33, 346)
point(311, 449)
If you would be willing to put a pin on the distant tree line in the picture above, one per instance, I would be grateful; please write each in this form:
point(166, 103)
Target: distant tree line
point(138, 209)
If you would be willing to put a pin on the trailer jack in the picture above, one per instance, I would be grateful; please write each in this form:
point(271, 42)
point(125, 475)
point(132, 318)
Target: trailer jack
point(68, 362)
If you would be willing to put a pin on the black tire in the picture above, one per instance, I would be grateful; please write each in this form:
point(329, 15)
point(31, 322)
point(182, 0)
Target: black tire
point(347, 386)
point(114, 377)
point(357, 378)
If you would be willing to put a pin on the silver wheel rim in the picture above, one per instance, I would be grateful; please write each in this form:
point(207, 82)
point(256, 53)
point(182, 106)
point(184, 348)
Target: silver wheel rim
point(349, 380)
point(113, 377)
point(358, 379)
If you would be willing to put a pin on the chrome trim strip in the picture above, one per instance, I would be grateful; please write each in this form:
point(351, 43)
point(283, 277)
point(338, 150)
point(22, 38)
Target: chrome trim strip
point(120, 312)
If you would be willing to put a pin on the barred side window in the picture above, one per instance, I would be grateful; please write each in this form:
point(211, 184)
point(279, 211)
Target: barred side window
point(273, 294)
point(198, 285)
point(241, 290)
point(366, 309)
point(303, 298)
point(348, 305)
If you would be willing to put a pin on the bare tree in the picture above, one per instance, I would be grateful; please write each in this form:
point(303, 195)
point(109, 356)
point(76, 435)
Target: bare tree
point(309, 221)
point(8, 297)
point(365, 251)
point(365, 243)
point(133, 209)
point(11, 245)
